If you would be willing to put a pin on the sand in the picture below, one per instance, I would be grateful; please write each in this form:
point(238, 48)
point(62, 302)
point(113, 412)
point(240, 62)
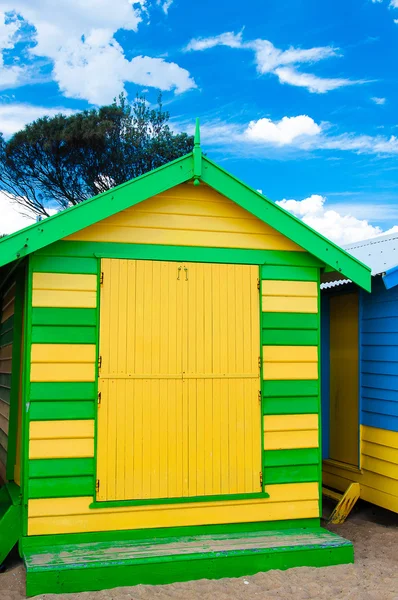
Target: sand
point(374, 576)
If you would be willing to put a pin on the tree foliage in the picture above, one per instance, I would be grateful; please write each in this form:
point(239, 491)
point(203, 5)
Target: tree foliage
point(63, 160)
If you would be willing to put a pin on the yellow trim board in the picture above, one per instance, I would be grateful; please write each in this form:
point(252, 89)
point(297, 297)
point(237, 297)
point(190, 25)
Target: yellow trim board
point(62, 372)
point(289, 371)
point(290, 354)
point(286, 304)
point(288, 440)
point(64, 281)
point(65, 448)
point(63, 353)
point(300, 289)
point(64, 299)
point(57, 430)
point(290, 422)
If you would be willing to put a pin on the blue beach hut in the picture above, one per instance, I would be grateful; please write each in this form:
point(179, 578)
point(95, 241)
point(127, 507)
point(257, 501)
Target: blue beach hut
point(360, 376)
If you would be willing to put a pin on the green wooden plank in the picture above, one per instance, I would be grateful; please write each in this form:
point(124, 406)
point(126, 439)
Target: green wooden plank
point(61, 467)
point(289, 321)
point(180, 253)
point(209, 565)
point(289, 273)
point(34, 544)
point(85, 317)
point(290, 406)
point(305, 387)
point(299, 456)
point(63, 335)
point(286, 337)
point(64, 264)
point(62, 391)
point(60, 410)
point(291, 474)
point(60, 487)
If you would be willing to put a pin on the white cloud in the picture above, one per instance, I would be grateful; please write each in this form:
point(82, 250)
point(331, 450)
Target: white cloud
point(377, 100)
point(338, 227)
point(14, 116)
point(9, 74)
point(396, 21)
point(282, 132)
point(282, 63)
point(230, 39)
point(77, 37)
point(164, 5)
point(11, 217)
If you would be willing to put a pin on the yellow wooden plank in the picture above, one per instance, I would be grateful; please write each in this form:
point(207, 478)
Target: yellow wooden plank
point(286, 304)
point(64, 299)
point(290, 422)
point(62, 372)
point(344, 379)
point(296, 289)
point(57, 430)
point(377, 481)
point(65, 282)
point(284, 440)
point(290, 354)
point(195, 221)
point(381, 467)
point(290, 371)
point(69, 515)
point(63, 353)
point(380, 436)
point(65, 448)
point(378, 451)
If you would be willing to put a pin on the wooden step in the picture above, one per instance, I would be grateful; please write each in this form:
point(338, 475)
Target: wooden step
point(102, 565)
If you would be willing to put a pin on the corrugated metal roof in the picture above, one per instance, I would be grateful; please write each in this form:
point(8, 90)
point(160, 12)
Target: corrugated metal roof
point(333, 284)
point(379, 253)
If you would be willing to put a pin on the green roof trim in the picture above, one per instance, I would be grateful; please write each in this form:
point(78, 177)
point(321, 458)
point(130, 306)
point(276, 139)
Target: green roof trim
point(196, 167)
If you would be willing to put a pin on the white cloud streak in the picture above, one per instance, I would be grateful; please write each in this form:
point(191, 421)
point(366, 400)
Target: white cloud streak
point(14, 116)
point(337, 225)
point(282, 63)
point(77, 37)
point(379, 101)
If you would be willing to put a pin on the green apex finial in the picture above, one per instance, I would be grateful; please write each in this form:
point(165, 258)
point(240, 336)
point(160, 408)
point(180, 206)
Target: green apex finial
point(196, 140)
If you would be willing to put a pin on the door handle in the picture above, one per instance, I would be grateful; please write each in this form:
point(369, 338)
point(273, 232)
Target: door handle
point(186, 273)
point(179, 271)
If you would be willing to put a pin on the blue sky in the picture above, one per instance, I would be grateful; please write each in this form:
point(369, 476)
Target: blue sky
point(297, 98)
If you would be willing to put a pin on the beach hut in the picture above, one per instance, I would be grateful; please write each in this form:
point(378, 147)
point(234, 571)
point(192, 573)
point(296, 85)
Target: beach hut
point(160, 394)
point(360, 376)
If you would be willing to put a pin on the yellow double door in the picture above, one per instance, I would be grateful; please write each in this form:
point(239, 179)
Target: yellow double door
point(179, 412)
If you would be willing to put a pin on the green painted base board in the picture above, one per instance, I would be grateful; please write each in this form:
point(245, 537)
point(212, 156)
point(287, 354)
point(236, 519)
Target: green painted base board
point(96, 566)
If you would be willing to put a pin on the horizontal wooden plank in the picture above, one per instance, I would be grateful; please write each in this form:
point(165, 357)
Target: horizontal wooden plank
point(3, 456)
point(289, 354)
point(5, 380)
point(3, 439)
point(4, 424)
point(7, 337)
point(288, 321)
point(289, 337)
point(67, 409)
point(381, 452)
point(65, 298)
point(5, 394)
point(292, 289)
point(64, 316)
point(301, 456)
point(62, 391)
point(7, 311)
point(64, 264)
point(289, 406)
point(59, 487)
point(379, 436)
point(4, 409)
point(6, 352)
point(291, 474)
point(63, 353)
point(61, 467)
point(63, 334)
point(290, 371)
point(64, 282)
point(288, 388)
point(65, 448)
point(58, 430)
point(62, 372)
point(284, 440)
point(289, 304)
point(289, 273)
point(290, 422)
point(381, 467)
point(7, 325)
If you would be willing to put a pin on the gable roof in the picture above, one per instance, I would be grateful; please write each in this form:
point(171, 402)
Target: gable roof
point(191, 166)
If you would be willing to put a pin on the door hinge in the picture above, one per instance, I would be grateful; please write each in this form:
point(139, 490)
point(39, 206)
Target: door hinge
point(258, 284)
point(259, 396)
point(99, 362)
point(99, 398)
point(261, 479)
point(97, 486)
point(101, 278)
point(259, 362)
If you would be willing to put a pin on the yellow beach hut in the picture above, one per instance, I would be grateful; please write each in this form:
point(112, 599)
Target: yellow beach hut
point(159, 392)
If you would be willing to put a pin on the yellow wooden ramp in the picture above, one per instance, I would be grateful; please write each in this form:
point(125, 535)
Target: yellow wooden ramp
point(345, 502)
